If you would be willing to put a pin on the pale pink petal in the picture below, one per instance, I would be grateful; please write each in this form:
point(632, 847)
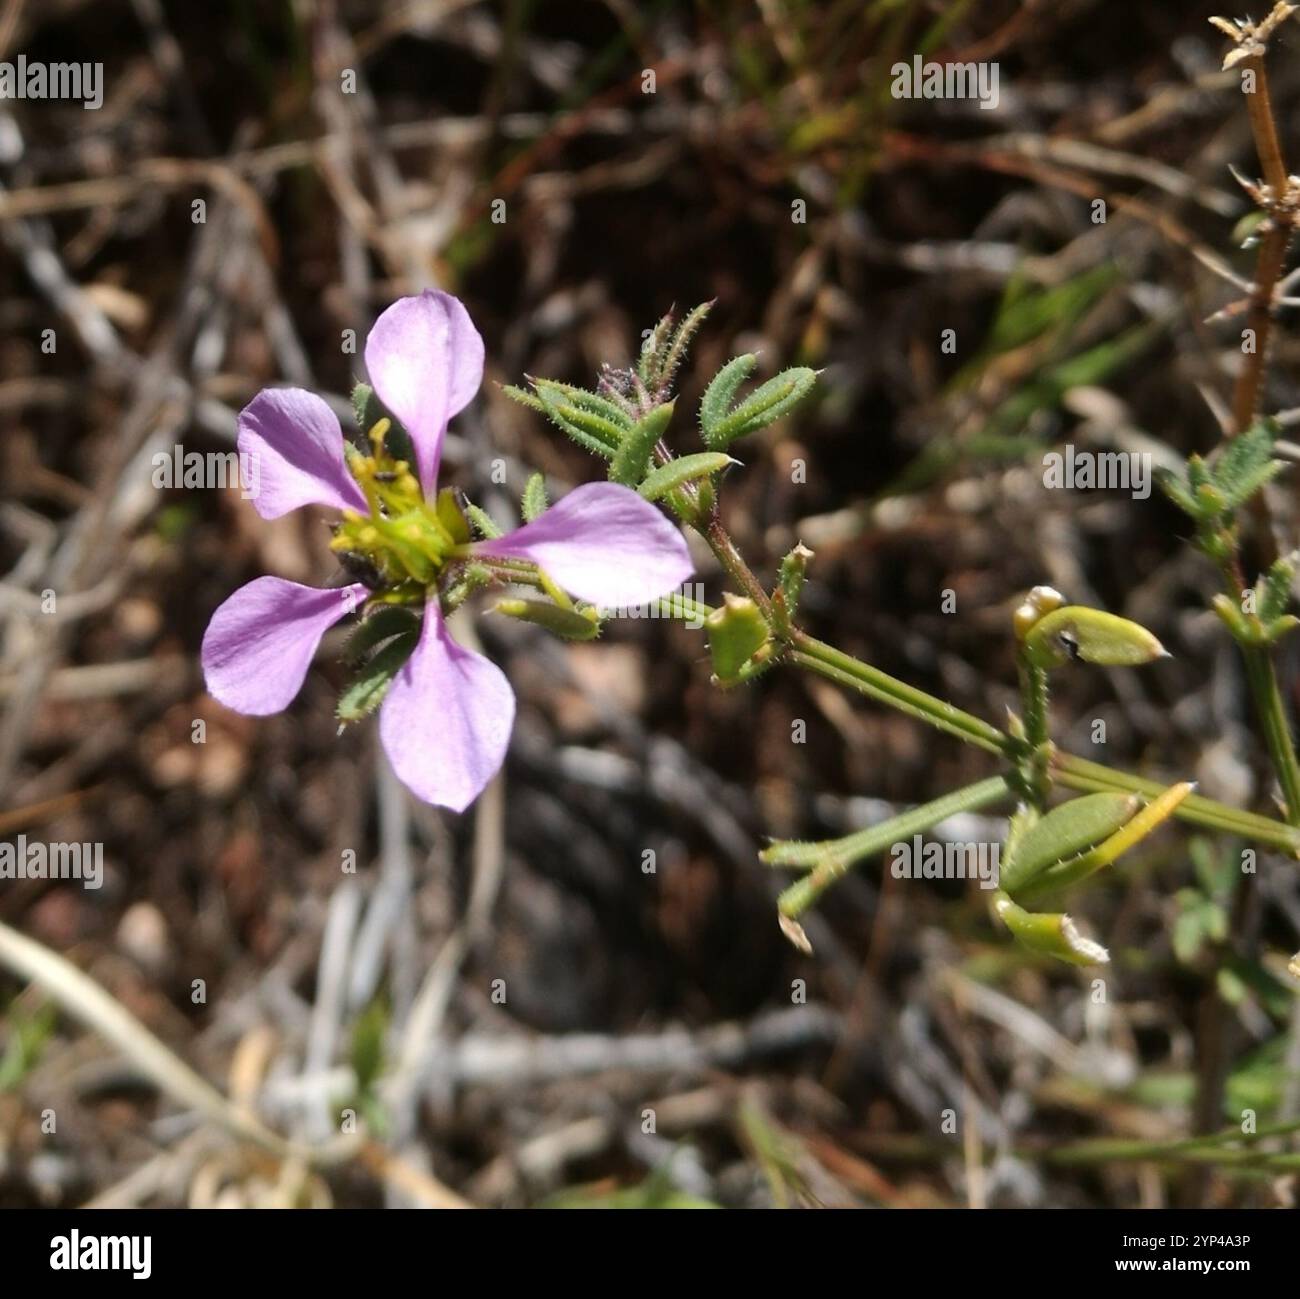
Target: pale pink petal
point(261, 641)
point(425, 361)
point(603, 543)
point(446, 719)
point(291, 451)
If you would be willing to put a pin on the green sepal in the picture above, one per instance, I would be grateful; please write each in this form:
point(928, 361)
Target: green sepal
point(483, 522)
point(686, 469)
point(367, 692)
point(368, 410)
point(763, 406)
point(1064, 832)
point(571, 624)
point(632, 459)
point(534, 501)
point(451, 516)
point(1091, 635)
point(1052, 933)
point(377, 627)
point(737, 631)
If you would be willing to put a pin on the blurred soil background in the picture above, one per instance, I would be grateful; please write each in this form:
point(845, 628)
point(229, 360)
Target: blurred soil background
point(517, 1009)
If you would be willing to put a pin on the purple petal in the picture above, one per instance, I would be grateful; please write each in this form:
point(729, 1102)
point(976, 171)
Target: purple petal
point(425, 360)
point(446, 719)
point(261, 641)
point(291, 447)
point(605, 544)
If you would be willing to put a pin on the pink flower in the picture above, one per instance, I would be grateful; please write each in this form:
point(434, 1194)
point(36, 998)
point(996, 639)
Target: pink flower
point(446, 720)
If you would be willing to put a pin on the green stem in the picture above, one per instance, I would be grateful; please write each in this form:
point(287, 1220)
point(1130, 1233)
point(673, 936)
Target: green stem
point(830, 861)
point(729, 557)
point(1075, 773)
point(1211, 1148)
point(816, 656)
point(1277, 734)
point(1092, 778)
point(1033, 694)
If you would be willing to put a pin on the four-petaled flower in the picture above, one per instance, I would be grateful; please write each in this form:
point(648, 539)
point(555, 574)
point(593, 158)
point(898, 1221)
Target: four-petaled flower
point(446, 719)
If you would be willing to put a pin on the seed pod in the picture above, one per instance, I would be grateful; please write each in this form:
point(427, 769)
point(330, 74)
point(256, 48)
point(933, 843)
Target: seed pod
point(1075, 632)
point(1053, 933)
point(1065, 832)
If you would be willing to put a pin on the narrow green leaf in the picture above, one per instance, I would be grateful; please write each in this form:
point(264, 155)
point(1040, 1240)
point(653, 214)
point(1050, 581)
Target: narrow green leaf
point(381, 625)
point(367, 692)
point(633, 457)
point(1064, 832)
point(718, 396)
point(585, 400)
point(763, 406)
point(571, 624)
point(534, 502)
point(648, 363)
point(686, 469)
point(482, 521)
point(676, 350)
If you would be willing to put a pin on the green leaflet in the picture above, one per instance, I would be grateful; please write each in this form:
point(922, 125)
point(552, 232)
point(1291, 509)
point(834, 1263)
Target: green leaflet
point(676, 473)
point(571, 624)
point(591, 421)
point(534, 500)
point(381, 625)
point(484, 523)
point(633, 458)
point(1064, 832)
point(718, 396)
point(367, 692)
point(665, 347)
point(762, 407)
